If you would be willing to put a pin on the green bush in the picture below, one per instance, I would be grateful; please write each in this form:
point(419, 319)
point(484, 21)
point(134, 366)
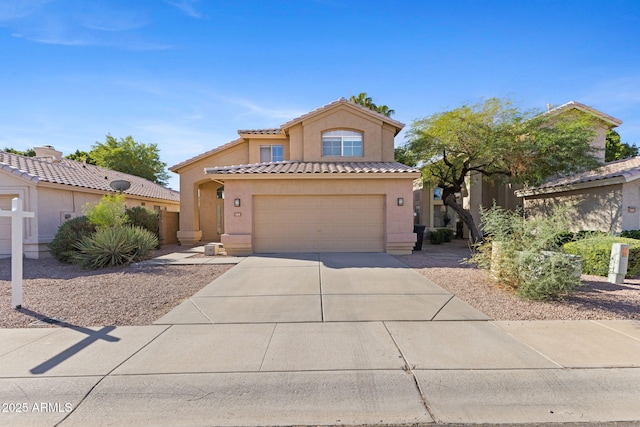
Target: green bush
point(446, 234)
point(108, 212)
point(69, 234)
point(115, 246)
point(435, 238)
point(631, 234)
point(139, 216)
point(525, 254)
point(596, 254)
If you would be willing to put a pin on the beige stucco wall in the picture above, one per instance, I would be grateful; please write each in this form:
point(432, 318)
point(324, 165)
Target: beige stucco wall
point(209, 207)
point(191, 177)
point(399, 236)
point(255, 144)
point(56, 205)
point(374, 139)
point(599, 208)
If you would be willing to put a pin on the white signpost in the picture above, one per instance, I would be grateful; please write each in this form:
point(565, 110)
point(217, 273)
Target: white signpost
point(17, 215)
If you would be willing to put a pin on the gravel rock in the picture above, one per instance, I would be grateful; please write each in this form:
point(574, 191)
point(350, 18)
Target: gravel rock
point(139, 295)
point(597, 299)
point(117, 296)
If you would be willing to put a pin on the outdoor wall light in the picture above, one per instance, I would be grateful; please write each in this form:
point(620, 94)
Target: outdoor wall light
point(400, 201)
point(236, 202)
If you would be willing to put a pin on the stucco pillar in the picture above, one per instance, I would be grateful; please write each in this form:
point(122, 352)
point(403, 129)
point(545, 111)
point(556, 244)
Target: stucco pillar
point(189, 233)
point(400, 237)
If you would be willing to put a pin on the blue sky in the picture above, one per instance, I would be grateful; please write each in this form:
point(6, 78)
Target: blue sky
point(187, 74)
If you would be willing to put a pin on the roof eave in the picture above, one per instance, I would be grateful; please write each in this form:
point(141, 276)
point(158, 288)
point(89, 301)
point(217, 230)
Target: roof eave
point(538, 191)
point(177, 167)
point(612, 121)
point(343, 102)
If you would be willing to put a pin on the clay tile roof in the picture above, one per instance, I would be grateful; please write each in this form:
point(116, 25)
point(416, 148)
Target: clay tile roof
point(277, 131)
point(292, 167)
point(395, 123)
point(77, 174)
point(627, 169)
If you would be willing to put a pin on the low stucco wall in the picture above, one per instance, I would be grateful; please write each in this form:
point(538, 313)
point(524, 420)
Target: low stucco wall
point(599, 208)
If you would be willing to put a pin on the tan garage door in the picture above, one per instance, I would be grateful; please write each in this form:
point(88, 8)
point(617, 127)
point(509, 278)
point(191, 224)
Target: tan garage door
point(352, 223)
point(5, 226)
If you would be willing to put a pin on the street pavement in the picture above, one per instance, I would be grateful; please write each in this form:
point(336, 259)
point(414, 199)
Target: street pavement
point(322, 339)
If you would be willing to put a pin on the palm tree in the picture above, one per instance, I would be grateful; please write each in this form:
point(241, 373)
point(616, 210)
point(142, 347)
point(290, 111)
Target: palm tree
point(383, 109)
point(366, 101)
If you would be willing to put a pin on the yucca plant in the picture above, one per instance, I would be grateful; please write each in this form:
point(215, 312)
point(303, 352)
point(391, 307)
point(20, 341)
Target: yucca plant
point(115, 246)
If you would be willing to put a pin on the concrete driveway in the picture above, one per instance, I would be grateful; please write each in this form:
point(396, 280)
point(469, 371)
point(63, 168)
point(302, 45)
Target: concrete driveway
point(323, 339)
point(324, 287)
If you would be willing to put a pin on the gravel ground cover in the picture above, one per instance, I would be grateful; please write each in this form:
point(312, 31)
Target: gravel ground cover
point(597, 299)
point(130, 295)
point(139, 295)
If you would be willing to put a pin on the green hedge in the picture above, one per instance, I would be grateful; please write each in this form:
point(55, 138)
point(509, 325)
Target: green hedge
point(596, 254)
point(632, 234)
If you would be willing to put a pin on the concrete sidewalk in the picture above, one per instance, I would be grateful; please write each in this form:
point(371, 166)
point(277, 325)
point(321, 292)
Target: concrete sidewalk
point(233, 358)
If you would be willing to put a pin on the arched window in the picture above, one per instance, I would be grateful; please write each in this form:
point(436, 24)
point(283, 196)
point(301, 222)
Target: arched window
point(342, 142)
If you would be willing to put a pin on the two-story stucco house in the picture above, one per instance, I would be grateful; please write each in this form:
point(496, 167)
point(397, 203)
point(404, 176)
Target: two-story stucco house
point(325, 181)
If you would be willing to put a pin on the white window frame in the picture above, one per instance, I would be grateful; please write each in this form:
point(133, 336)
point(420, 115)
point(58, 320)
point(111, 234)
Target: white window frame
point(345, 137)
point(271, 154)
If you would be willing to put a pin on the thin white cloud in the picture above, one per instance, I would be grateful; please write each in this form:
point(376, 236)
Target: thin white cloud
point(187, 7)
point(614, 95)
point(16, 9)
point(77, 23)
point(251, 108)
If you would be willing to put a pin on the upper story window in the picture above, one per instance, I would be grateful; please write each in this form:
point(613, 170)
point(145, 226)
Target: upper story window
point(342, 143)
point(271, 153)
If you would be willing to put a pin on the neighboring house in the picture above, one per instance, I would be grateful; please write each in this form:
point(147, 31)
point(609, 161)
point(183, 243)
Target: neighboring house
point(605, 199)
point(56, 189)
point(431, 211)
point(325, 181)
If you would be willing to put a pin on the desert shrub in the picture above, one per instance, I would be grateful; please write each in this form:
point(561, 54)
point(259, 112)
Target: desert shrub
point(115, 246)
point(108, 212)
point(547, 275)
point(519, 252)
point(596, 254)
point(69, 234)
point(139, 216)
point(631, 234)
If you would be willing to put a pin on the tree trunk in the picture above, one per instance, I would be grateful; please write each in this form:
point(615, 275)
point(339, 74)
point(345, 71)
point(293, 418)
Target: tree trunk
point(465, 215)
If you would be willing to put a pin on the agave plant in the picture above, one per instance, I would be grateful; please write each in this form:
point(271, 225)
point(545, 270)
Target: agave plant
point(115, 246)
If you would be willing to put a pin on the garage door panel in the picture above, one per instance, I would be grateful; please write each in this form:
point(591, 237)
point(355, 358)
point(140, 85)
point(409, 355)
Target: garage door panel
point(318, 223)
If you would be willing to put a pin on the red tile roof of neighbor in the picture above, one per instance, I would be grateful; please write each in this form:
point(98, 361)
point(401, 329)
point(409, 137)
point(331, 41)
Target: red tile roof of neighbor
point(292, 167)
point(77, 174)
point(625, 169)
